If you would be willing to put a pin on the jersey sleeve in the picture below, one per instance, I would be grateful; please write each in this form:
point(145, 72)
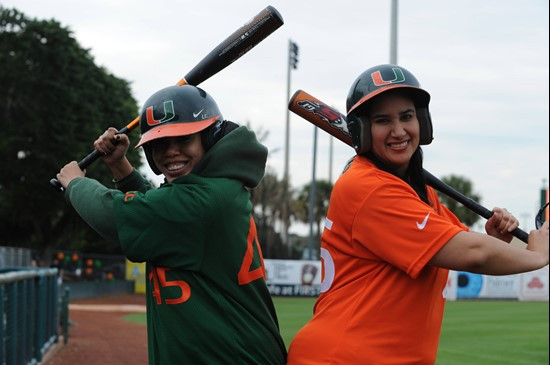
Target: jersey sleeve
point(94, 204)
point(397, 227)
point(443, 210)
point(133, 182)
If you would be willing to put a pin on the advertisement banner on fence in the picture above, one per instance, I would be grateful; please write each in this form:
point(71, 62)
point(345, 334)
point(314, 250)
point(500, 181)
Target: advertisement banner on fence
point(474, 286)
point(500, 287)
point(303, 278)
point(534, 285)
point(293, 277)
point(452, 286)
point(136, 271)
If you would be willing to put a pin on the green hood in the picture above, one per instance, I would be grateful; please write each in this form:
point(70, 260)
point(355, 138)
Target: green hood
point(238, 155)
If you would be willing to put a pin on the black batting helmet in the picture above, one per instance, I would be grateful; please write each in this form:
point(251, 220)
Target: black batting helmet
point(375, 81)
point(179, 111)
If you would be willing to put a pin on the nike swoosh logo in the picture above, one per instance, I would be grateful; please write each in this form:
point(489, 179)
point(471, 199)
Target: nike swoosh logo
point(197, 114)
point(423, 224)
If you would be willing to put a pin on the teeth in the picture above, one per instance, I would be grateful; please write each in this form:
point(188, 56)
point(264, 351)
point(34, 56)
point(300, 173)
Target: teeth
point(175, 166)
point(399, 145)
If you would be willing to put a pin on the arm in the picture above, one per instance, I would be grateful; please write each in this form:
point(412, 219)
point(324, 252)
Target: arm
point(133, 182)
point(113, 147)
point(483, 254)
point(94, 204)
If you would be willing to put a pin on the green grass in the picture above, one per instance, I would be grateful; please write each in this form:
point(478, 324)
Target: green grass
point(293, 314)
point(494, 332)
point(473, 332)
point(136, 318)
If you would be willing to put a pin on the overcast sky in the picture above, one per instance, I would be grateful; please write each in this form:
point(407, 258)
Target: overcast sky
point(485, 64)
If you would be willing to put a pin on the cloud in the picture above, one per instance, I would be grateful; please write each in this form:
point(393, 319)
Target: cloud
point(484, 63)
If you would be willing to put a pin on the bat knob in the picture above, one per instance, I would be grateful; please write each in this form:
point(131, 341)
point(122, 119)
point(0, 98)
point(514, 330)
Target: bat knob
point(56, 185)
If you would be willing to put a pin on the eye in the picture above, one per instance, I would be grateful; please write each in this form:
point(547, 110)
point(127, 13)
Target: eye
point(407, 117)
point(380, 121)
point(159, 144)
point(184, 139)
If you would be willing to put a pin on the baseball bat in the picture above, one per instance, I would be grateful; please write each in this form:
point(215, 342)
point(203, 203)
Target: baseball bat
point(333, 122)
point(232, 48)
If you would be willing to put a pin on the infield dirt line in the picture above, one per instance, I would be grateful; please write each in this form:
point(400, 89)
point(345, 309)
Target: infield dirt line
point(131, 308)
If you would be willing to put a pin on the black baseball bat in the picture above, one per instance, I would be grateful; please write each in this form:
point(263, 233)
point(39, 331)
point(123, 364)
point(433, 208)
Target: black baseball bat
point(232, 48)
point(333, 122)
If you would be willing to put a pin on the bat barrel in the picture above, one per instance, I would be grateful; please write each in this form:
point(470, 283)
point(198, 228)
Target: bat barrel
point(236, 45)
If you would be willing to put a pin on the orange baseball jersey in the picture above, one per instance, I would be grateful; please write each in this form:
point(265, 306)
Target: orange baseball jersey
point(379, 302)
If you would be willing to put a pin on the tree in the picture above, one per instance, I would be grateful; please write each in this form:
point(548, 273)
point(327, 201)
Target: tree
point(301, 205)
point(54, 102)
point(266, 198)
point(464, 186)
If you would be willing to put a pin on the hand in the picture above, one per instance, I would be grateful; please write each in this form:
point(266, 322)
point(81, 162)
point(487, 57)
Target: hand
point(501, 224)
point(69, 172)
point(112, 146)
point(538, 240)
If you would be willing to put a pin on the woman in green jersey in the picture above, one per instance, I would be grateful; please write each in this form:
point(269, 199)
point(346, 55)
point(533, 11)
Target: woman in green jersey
point(207, 300)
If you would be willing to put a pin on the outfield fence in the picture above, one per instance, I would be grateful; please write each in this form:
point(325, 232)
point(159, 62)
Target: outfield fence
point(29, 314)
point(15, 256)
point(302, 278)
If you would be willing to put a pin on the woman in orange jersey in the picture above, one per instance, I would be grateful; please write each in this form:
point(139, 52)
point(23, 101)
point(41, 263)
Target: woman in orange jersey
point(388, 242)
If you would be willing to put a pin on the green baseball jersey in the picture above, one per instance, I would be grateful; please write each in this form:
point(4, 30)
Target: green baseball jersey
point(207, 300)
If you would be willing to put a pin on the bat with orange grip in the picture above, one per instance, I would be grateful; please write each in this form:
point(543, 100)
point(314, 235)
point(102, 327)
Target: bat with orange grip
point(333, 122)
point(232, 48)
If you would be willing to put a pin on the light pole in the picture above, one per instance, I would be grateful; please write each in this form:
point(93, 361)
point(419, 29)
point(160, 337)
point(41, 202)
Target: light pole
point(544, 198)
point(393, 34)
point(292, 65)
point(312, 195)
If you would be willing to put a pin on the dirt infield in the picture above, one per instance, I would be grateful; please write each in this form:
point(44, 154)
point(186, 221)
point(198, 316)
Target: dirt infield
point(99, 336)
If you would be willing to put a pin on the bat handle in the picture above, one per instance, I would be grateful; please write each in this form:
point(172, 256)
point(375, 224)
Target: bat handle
point(521, 234)
point(468, 202)
point(85, 162)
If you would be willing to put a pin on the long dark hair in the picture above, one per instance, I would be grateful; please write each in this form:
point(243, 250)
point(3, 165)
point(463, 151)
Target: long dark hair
point(414, 176)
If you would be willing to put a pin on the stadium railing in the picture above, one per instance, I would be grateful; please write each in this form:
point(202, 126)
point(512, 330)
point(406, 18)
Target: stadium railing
point(29, 314)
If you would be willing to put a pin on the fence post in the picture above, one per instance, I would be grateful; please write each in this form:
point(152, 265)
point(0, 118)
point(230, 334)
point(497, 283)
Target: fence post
point(40, 318)
point(22, 322)
point(2, 324)
point(30, 312)
point(65, 315)
point(11, 319)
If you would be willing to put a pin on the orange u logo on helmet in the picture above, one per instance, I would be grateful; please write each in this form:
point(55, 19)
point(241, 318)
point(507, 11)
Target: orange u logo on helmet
point(168, 113)
point(379, 81)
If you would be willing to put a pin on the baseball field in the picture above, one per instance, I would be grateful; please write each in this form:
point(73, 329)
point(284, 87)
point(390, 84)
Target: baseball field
point(473, 333)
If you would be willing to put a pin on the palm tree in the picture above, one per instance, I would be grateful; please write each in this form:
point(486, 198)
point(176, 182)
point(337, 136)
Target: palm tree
point(266, 199)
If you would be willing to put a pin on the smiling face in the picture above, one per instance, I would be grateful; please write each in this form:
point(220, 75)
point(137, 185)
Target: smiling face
point(177, 156)
point(395, 130)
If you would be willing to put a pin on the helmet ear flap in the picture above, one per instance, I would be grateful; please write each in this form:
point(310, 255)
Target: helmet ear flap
point(211, 135)
point(149, 157)
point(359, 128)
point(426, 129)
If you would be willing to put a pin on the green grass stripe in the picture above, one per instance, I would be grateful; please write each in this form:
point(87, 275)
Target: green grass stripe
point(474, 332)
